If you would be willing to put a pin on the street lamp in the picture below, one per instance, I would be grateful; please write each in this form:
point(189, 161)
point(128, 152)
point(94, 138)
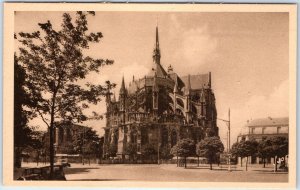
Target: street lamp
point(228, 140)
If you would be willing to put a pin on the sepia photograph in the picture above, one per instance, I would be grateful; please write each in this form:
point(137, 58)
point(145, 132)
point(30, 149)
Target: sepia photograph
point(150, 93)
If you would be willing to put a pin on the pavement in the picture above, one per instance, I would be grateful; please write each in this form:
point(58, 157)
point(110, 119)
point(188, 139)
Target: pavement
point(170, 172)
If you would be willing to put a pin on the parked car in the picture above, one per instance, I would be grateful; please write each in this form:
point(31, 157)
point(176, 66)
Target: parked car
point(43, 173)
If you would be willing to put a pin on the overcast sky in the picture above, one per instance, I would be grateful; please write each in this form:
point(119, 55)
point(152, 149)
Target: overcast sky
point(247, 54)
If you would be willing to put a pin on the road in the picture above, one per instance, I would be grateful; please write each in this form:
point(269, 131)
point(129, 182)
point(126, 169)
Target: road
point(171, 173)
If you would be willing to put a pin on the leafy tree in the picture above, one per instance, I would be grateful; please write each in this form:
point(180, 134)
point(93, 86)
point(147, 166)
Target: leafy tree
point(247, 148)
point(184, 148)
point(280, 148)
point(54, 64)
point(131, 149)
point(86, 143)
point(265, 150)
point(235, 151)
point(210, 147)
point(22, 132)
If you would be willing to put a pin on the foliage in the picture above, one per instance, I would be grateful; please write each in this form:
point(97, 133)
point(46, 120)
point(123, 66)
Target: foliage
point(280, 146)
point(264, 149)
point(184, 148)
point(86, 142)
point(210, 147)
point(23, 134)
point(245, 148)
point(54, 63)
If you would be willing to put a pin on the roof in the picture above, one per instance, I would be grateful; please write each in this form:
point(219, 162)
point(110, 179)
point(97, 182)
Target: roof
point(158, 70)
point(197, 81)
point(175, 77)
point(269, 121)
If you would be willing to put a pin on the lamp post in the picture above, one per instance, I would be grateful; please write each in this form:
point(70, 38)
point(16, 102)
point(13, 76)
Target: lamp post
point(228, 139)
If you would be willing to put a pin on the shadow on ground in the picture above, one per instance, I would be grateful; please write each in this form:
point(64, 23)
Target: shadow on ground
point(214, 169)
point(77, 170)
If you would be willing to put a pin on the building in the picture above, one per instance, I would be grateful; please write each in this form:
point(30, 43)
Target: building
point(159, 109)
point(262, 128)
point(259, 129)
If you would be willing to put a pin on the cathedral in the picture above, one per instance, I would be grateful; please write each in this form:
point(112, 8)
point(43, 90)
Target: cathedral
point(159, 109)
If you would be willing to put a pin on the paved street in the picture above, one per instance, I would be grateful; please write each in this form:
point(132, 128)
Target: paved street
point(172, 173)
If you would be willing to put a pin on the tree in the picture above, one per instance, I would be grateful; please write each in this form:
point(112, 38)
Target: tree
point(86, 143)
point(184, 148)
point(280, 148)
point(236, 151)
point(264, 150)
point(22, 132)
point(55, 63)
point(91, 143)
point(210, 147)
point(247, 148)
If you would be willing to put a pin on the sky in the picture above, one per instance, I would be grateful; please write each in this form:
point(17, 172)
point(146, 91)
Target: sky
point(246, 53)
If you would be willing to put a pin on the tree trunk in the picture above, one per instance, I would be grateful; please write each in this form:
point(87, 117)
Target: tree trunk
point(89, 161)
point(184, 162)
point(198, 161)
point(246, 163)
point(241, 161)
point(51, 150)
point(275, 159)
point(210, 163)
point(177, 160)
point(264, 160)
point(37, 159)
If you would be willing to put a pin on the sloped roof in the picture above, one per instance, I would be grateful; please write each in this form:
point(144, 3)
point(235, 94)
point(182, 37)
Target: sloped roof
point(158, 70)
point(173, 76)
point(268, 122)
point(197, 81)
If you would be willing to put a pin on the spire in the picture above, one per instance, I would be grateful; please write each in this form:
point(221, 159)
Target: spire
point(157, 40)
point(209, 79)
point(156, 52)
point(188, 86)
point(122, 89)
